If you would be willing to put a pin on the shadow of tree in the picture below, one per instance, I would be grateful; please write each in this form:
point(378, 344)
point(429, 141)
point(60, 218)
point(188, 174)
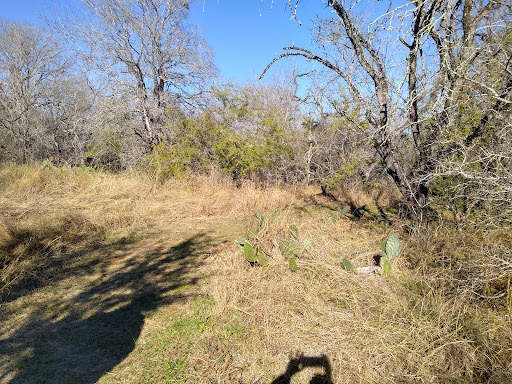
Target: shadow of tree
point(35, 254)
point(81, 340)
point(296, 365)
point(358, 212)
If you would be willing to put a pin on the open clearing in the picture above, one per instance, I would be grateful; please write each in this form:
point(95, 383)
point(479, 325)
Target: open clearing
point(118, 280)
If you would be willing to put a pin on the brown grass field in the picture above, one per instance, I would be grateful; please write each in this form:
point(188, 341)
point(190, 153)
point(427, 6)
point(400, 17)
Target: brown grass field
point(115, 279)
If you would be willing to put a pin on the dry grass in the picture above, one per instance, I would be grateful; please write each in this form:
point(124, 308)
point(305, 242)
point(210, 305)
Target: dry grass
point(371, 329)
point(113, 279)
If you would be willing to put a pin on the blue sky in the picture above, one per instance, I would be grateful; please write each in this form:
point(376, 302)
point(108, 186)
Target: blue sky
point(245, 34)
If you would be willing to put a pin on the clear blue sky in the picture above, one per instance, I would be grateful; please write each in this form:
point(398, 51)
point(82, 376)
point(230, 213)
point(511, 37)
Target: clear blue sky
point(244, 34)
point(247, 35)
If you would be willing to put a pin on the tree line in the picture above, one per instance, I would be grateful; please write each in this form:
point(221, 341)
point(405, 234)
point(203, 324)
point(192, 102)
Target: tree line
point(417, 94)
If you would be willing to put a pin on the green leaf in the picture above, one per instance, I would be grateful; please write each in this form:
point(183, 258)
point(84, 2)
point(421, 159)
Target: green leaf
point(386, 266)
point(334, 217)
point(392, 246)
point(241, 243)
point(293, 264)
point(249, 252)
point(347, 265)
point(251, 234)
point(306, 243)
point(294, 232)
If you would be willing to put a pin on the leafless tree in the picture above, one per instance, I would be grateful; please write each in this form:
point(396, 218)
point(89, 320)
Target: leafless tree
point(439, 48)
point(145, 46)
point(31, 63)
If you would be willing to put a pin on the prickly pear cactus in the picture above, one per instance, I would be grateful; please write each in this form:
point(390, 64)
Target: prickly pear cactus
point(249, 252)
point(392, 248)
point(294, 232)
point(347, 265)
point(295, 247)
point(241, 243)
point(260, 257)
point(292, 264)
point(261, 218)
point(284, 248)
point(386, 266)
point(345, 210)
point(274, 214)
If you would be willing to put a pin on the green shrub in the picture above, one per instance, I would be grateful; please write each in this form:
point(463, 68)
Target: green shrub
point(106, 149)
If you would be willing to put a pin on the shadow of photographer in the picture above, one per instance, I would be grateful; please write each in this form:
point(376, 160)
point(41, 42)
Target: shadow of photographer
point(302, 362)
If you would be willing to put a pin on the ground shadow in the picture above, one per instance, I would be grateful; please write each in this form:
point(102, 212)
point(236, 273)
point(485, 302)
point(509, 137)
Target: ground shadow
point(357, 212)
point(296, 365)
point(33, 257)
point(100, 326)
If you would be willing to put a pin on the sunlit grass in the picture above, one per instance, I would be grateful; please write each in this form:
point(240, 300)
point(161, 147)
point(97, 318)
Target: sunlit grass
point(110, 278)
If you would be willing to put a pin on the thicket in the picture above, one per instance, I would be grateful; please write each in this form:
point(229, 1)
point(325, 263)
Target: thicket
point(247, 133)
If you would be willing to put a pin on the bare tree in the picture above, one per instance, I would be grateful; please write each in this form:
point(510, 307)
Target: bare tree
point(67, 110)
point(460, 115)
point(438, 48)
point(31, 63)
point(145, 46)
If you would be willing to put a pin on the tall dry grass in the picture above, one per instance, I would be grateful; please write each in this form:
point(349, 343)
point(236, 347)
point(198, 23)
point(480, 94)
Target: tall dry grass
point(412, 327)
point(373, 330)
point(47, 212)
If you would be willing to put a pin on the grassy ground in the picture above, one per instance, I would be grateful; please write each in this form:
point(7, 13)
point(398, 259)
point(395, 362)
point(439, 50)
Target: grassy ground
point(113, 279)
